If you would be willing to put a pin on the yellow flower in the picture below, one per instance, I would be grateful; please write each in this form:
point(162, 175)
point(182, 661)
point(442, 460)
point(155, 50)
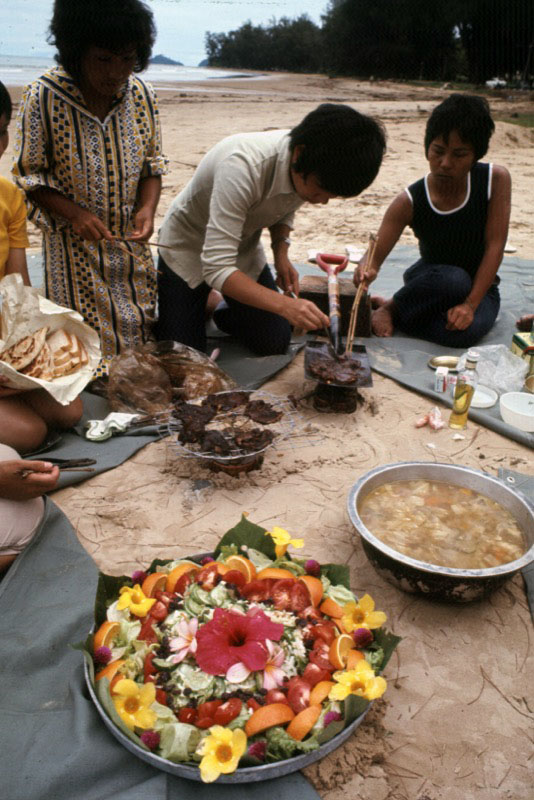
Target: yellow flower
point(282, 540)
point(361, 681)
point(362, 615)
point(136, 600)
point(221, 751)
point(133, 702)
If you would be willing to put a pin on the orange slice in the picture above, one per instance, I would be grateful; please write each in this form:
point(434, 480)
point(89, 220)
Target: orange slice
point(320, 692)
point(275, 572)
point(177, 572)
point(339, 650)
point(155, 582)
point(111, 672)
point(315, 588)
point(105, 635)
point(267, 717)
point(303, 722)
point(243, 565)
point(353, 657)
point(331, 608)
point(222, 569)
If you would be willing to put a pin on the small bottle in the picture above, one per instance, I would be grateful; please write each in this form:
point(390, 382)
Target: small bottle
point(463, 393)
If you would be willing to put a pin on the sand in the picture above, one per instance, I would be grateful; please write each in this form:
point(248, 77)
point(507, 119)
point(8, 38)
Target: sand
point(457, 719)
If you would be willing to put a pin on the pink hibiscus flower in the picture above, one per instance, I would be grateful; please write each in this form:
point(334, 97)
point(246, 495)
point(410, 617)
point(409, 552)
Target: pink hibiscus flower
point(231, 638)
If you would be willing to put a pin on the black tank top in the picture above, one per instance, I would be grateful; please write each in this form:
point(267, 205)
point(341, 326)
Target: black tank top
point(453, 237)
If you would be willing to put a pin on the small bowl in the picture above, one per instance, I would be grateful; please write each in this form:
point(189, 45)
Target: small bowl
point(446, 584)
point(517, 409)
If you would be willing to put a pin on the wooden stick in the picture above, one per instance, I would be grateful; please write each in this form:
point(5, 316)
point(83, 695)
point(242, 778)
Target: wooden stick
point(128, 252)
point(152, 244)
point(356, 304)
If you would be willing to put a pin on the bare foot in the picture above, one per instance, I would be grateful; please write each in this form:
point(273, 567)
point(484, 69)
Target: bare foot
point(382, 320)
point(214, 298)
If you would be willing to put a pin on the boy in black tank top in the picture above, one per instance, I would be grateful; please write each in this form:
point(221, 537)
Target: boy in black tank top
point(459, 212)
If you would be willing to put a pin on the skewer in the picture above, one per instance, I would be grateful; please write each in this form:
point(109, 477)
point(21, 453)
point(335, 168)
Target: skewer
point(152, 244)
point(126, 250)
point(356, 304)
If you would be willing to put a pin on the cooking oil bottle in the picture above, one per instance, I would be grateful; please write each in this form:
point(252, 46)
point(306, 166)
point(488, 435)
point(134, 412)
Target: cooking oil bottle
point(464, 391)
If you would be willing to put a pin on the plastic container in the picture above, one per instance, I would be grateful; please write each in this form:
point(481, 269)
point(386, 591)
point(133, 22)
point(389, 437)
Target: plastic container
point(517, 409)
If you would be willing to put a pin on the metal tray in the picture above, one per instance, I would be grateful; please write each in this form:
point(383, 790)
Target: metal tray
point(359, 353)
point(444, 361)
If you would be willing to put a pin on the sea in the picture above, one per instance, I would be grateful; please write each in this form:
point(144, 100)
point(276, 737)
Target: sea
point(21, 70)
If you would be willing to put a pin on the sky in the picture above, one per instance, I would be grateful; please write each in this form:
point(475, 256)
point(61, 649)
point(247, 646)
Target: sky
point(181, 23)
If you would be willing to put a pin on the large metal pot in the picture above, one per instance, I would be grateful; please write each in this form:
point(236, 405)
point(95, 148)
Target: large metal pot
point(437, 582)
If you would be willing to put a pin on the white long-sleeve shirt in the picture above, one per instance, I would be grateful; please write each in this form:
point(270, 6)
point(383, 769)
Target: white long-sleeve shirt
point(241, 186)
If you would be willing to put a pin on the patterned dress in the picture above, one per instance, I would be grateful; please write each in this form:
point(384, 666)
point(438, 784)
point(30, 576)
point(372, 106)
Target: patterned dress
point(61, 145)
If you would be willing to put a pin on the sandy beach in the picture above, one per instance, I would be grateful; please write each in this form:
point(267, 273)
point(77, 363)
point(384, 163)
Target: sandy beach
point(456, 721)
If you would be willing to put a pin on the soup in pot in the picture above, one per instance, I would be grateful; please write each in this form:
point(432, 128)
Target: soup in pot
point(442, 524)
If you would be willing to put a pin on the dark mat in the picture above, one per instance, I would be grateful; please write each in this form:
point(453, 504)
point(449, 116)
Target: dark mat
point(406, 360)
point(53, 744)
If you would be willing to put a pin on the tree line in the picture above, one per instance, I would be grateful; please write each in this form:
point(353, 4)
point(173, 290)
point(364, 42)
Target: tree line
point(470, 40)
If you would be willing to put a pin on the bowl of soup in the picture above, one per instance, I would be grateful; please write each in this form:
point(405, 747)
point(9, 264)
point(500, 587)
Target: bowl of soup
point(448, 532)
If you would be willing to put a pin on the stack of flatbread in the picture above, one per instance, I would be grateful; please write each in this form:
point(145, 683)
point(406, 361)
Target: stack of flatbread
point(47, 356)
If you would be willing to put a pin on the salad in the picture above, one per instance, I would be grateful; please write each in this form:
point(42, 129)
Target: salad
point(241, 658)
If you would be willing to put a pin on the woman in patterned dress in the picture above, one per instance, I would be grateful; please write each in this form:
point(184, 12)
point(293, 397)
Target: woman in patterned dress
point(88, 155)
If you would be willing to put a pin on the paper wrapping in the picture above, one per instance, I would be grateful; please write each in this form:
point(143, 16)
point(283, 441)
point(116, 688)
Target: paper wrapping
point(24, 311)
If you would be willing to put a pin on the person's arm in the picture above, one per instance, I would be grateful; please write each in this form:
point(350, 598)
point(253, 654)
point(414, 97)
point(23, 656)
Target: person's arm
point(397, 217)
point(23, 480)
point(461, 316)
point(287, 277)
point(147, 201)
point(84, 223)
point(299, 313)
point(16, 262)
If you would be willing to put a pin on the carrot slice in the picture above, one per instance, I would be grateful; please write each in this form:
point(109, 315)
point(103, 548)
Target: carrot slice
point(315, 588)
point(304, 722)
point(111, 672)
point(320, 692)
point(267, 717)
point(331, 608)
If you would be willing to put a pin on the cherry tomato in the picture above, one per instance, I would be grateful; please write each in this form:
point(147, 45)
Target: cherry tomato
point(147, 633)
point(235, 577)
point(300, 597)
point(161, 697)
point(281, 594)
point(204, 722)
point(253, 703)
point(313, 674)
point(188, 715)
point(298, 695)
point(159, 611)
point(257, 591)
point(149, 670)
point(319, 655)
point(208, 709)
point(326, 631)
point(208, 576)
point(183, 582)
point(312, 614)
point(276, 696)
point(228, 711)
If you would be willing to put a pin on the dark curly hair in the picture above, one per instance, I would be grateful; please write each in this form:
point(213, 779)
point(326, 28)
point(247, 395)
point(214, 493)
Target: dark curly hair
point(113, 25)
point(341, 147)
point(5, 102)
point(468, 114)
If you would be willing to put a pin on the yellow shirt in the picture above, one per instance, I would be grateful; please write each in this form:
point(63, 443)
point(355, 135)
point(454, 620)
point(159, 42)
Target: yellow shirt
point(12, 221)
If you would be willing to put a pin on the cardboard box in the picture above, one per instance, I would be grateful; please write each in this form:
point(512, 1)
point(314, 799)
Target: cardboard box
point(523, 345)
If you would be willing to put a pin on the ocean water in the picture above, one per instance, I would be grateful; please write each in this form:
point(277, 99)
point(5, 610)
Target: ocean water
point(21, 70)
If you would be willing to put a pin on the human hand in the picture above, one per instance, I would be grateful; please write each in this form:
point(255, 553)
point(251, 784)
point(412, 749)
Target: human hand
point(143, 225)
point(89, 226)
point(23, 480)
point(364, 274)
point(305, 315)
point(459, 317)
point(287, 277)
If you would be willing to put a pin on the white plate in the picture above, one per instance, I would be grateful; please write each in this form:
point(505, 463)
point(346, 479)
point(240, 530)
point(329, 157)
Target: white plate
point(484, 397)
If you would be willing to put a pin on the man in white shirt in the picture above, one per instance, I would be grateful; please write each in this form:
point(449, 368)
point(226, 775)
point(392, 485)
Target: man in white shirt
point(247, 182)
